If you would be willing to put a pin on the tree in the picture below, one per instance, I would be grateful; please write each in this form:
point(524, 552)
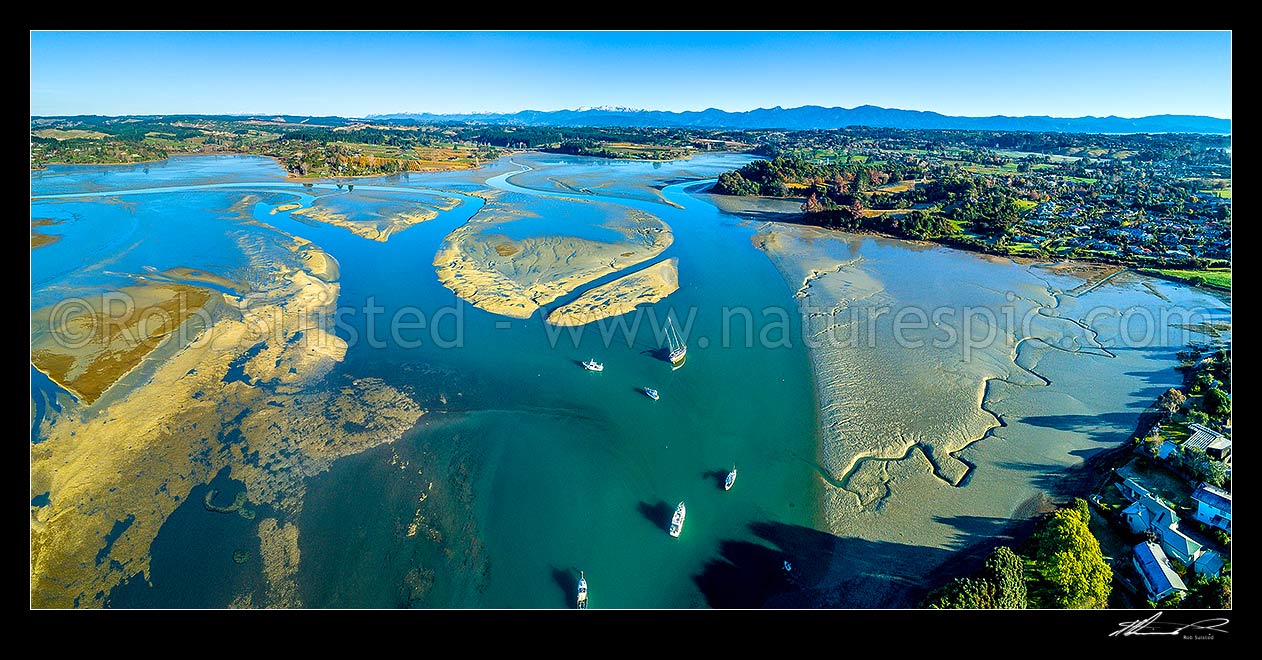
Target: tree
point(732, 183)
point(1197, 417)
point(1000, 584)
point(774, 189)
point(1082, 509)
point(962, 594)
point(1212, 593)
point(1169, 602)
point(1217, 403)
point(1007, 570)
point(1204, 381)
point(1172, 400)
point(1202, 467)
point(1069, 562)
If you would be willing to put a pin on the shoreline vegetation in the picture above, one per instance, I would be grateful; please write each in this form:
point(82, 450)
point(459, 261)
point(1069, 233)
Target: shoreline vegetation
point(311, 148)
point(1209, 278)
point(1214, 277)
point(1159, 203)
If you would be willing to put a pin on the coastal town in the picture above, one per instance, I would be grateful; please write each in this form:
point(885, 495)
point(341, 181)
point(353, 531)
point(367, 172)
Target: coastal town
point(1163, 207)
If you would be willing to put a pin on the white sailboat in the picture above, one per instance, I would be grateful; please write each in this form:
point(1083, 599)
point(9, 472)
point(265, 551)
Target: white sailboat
point(677, 520)
point(678, 350)
point(582, 591)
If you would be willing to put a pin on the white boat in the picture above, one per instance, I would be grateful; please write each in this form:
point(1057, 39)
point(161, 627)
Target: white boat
point(731, 479)
point(677, 520)
point(582, 591)
point(593, 365)
point(652, 393)
point(676, 345)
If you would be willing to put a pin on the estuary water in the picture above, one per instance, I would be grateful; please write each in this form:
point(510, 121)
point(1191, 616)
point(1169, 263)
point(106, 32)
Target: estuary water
point(526, 468)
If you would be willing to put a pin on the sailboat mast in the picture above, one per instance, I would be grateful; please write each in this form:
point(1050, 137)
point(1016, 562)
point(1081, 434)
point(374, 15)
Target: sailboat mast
point(675, 344)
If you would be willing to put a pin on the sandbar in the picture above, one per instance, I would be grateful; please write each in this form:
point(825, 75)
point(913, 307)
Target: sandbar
point(374, 229)
point(514, 277)
point(621, 295)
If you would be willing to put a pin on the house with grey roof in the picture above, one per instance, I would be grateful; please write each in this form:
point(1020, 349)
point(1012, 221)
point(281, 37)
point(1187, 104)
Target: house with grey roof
point(1213, 506)
point(1154, 568)
point(1201, 436)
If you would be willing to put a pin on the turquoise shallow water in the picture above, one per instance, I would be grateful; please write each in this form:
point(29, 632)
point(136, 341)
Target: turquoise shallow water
point(527, 468)
point(536, 467)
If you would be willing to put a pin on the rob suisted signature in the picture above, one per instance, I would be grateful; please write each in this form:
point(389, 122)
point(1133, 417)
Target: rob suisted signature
point(1151, 626)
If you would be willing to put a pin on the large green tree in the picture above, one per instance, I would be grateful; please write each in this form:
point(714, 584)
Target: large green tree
point(1217, 403)
point(1072, 570)
point(1000, 584)
point(1006, 569)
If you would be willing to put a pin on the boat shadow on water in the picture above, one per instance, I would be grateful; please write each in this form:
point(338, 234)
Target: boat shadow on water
point(827, 571)
point(719, 477)
point(567, 580)
point(661, 353)
point(658, 513)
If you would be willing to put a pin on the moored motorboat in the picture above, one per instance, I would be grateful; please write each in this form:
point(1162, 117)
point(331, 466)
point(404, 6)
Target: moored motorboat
point(651, 393)
point(677, 520)
point(730, 479)
point(593, 365)
point(582, 591)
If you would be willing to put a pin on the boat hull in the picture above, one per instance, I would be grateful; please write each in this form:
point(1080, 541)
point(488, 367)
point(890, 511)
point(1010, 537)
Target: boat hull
point(677, 521)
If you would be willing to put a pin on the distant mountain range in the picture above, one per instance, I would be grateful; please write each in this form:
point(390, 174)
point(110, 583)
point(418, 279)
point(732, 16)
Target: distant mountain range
point(815, 117)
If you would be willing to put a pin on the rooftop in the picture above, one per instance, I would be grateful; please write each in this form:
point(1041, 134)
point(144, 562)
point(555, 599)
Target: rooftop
point(1201, 436)
point(1213, 496)
point(1156, 567)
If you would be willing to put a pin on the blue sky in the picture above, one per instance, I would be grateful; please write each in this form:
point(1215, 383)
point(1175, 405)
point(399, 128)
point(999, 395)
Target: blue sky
point(1062, 74)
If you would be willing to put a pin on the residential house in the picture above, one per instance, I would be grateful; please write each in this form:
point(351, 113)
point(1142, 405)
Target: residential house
point(1149, 514)
point(1154, 567)
point(1131, 489)
point(1210, 564)
point(1220, 449)
point(1201, 437)
point(1213, 507)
